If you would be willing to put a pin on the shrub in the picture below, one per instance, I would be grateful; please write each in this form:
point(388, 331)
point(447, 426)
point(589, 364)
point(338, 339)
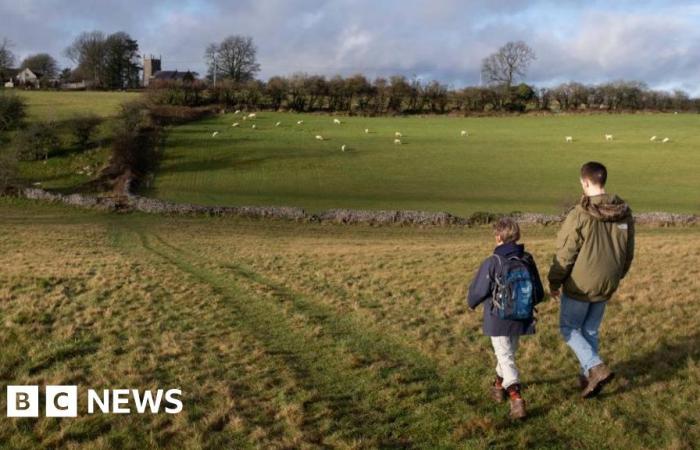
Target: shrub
point(36, 141)
point(172, 115)
point(83, 127)
point(8, 168)
point(12, 111)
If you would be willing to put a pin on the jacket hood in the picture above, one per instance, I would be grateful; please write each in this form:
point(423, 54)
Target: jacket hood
point(605, 207)
point(510, 249)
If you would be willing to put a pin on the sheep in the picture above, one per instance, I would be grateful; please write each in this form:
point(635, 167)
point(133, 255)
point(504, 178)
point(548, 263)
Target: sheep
point(38, 183)
point(336, 121)
point(397, 135)
point(238, 111)
point(608, 137)
point(464, 133)
point(342, 148)
point(254, 126)
point(278, 124)
point(319, 137)
point(235, 124)
point(300, 122)
point(214, 134)
point(245, 117)
point(569, 139)
point(366, 130)
point(397, 141)
point(252, 116)
point(652, 139)
point(665, 140)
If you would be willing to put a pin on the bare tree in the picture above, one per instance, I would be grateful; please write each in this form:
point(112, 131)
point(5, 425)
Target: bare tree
point(509, 62)
point(234, 58)
point(7, 58)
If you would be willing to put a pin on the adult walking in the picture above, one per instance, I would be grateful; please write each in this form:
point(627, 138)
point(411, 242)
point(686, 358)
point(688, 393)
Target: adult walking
point(595, 247)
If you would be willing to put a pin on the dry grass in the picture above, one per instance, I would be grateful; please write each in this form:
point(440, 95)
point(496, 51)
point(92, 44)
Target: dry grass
point(290, 336)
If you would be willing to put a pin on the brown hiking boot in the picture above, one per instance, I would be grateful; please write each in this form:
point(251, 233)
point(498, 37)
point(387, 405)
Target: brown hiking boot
point(582, 382)
point(498, 394)
point(517, 404)
point(598, 377)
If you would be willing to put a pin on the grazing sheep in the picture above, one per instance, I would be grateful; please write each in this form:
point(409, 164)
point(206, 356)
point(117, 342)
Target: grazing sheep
point(397, 141)
point(366, 130)
point(319, 137)
point(214, 134)
point(397, 134)
point(245, 117)
point(665, 140)
point(464, 133)
point(569, 139)
point(38, 183)
point(342, 148)
point(278, 124)
point(608, 137)
point(336, 121)
point(235, 124)
point(238, 111)
point(252, 116)
point(300, 122)
point(254, 126)
point(652, 139)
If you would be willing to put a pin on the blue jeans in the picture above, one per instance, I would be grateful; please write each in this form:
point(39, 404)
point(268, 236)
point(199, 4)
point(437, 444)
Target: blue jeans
point(579, 322)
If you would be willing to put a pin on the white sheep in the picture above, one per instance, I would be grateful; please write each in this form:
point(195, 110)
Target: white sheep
point(342, 148)
point(464, 133)
point(397, 135)
point(299, 122)
point(254, 126)
point(319, 137)
point(278, 124)
point(397, 141)
point(608, 137)
point(652, 139)
point(238, 111)
point(665, 140)
point(245, 117)
point(235, 124)
point(569, 139)
point(214, 134)
point(252, 116)
point(366, 130)
point(336, 121)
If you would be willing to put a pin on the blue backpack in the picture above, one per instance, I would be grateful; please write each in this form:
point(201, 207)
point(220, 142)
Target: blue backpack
point(513, 293)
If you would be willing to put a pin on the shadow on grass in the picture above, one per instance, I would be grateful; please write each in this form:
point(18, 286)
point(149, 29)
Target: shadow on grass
point(656, 366)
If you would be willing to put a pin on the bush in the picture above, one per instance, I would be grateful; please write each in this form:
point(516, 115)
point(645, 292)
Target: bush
point(36, 141)
point(172, 115)
point(12, 111)
point(83, 128)
point(8, 168)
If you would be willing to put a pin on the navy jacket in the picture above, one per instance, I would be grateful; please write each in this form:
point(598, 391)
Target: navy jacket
point(482, 285)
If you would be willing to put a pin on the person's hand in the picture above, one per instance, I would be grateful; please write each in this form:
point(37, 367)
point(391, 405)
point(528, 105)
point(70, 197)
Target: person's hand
point(555, 293)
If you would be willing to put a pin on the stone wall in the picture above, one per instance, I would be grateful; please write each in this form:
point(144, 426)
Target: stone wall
point(131, 202)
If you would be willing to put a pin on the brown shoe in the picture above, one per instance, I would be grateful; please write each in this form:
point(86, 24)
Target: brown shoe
point(598, 377)
point(582, 382)
point(517, 404)
point(498, 394)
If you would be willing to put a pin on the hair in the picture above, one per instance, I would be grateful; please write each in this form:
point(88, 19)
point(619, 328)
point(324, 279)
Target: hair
point(594, 172)
point(507, 229)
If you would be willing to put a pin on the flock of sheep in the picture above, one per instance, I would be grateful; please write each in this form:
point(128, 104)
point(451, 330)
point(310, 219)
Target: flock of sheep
point(397, 135)
point(609, 137)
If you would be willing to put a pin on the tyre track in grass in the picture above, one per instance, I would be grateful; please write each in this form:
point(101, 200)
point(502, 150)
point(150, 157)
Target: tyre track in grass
point(408, 396)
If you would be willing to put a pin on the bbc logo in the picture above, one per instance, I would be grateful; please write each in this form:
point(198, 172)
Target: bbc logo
point(23, 401)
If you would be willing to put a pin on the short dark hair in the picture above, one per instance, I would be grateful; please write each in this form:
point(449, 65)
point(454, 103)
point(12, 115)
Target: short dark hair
point(507, 229)
point(594, 172)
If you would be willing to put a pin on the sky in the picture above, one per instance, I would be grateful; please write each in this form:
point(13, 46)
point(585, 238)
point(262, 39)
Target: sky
point(657, 42)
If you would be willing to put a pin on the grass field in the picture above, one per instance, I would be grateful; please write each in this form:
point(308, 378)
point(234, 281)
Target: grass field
point(505, 164)
point(65, 169)
point(284, 335)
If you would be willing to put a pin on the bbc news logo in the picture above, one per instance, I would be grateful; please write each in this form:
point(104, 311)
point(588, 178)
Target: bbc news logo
point(62, 401)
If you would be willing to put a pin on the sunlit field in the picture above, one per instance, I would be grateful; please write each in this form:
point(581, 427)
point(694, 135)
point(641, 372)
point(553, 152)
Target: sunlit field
point(286, 335)
point(57, 105)
point(504, 164)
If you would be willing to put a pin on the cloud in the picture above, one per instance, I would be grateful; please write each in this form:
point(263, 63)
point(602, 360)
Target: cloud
point(590, 41)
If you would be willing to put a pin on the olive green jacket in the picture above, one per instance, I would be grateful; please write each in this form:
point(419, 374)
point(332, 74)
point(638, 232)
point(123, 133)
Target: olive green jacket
point(595, 247)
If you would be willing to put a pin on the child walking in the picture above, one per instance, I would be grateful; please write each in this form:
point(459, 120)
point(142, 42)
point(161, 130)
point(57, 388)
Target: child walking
point(508, 284)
